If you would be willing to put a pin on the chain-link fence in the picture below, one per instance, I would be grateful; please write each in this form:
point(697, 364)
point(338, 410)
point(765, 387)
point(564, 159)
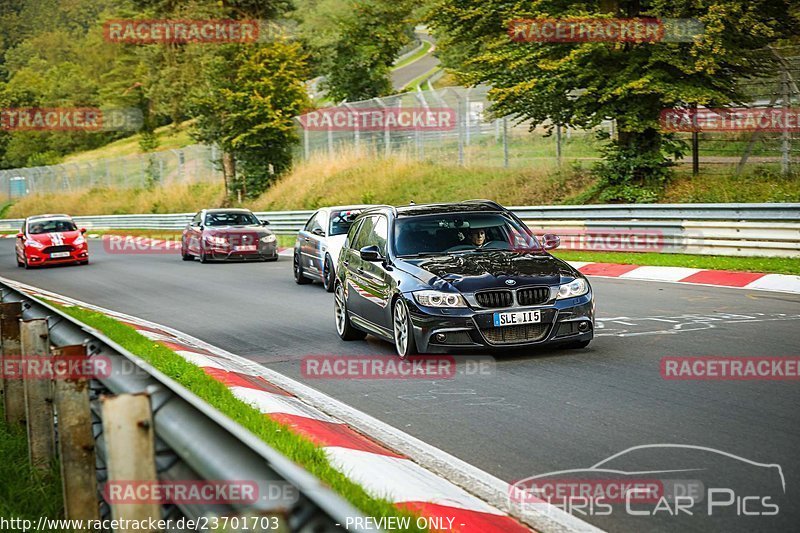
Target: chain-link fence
point(462, 132)
point(196, 163)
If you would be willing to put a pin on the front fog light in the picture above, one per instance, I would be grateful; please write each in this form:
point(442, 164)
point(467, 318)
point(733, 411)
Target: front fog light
point(577, 287)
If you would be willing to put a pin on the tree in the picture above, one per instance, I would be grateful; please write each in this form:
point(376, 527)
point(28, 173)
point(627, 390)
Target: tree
point(247, 103)
point(358, 66)
point(581, 84)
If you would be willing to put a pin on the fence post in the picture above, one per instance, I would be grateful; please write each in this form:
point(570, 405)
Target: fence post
point(13, 386)
point(785, 136)
point(460, 122)
point(35, 342)
point(75, 438)
point(130, 453)
point(505, 142)
point(558, 145)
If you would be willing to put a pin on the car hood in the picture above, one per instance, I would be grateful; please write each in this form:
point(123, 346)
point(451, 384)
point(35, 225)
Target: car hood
point(55, 238)
point(470, 272)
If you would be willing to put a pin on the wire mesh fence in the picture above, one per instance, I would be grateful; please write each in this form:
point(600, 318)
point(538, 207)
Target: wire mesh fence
point(195, 163)
point(464, 132)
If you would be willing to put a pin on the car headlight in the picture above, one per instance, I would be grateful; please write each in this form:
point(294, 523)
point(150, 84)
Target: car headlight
point(439, 299)
point(80, 240)
point(577, 287)
point(268, 238)
point(35, 244)
point(219, 241)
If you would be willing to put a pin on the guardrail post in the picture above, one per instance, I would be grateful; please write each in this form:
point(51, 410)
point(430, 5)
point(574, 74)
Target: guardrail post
point(75, 438)
point(13, 386)
point(35, 342)
point(130, 451)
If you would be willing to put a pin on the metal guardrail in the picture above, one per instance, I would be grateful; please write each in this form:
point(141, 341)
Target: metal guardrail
point(194, 441)
point(708, 229)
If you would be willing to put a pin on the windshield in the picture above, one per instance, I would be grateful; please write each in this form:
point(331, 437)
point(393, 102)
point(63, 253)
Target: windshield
point(235, 218)
point(461, 232)
point(342, 220)
point(51, 226)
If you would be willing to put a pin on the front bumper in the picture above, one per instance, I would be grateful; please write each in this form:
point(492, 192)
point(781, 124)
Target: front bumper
point(39, 258)
point(265, 251)
point(445, 330)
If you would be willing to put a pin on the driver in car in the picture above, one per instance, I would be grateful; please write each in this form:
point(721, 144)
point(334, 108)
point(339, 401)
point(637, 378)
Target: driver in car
point(477, 236)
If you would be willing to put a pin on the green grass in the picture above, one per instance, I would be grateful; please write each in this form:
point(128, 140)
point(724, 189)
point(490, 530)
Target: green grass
point(278, 436)
point(426, 46)
point(169, 138)
point(24, 492)
point(775, 265)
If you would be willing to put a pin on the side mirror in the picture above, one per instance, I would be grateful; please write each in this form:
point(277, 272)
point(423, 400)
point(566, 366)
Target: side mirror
point(20, 235)
point(370, 253)
point(265, 222)
point(83, 230)
point(318, 232)
point(550, 241)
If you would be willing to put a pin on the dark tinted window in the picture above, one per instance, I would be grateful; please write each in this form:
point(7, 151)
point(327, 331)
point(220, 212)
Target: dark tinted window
point(373, 232)
point(36, 227)
point(342, 220)
point(233, 218)
point(457, 232)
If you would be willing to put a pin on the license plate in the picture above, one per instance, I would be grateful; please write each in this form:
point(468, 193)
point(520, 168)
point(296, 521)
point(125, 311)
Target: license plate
point(56, 255)
point(517, 317)
point(246, 248)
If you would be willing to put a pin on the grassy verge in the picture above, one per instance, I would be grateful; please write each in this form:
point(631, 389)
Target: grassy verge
point(24, 492)
point(295, 447)
point(776, 265)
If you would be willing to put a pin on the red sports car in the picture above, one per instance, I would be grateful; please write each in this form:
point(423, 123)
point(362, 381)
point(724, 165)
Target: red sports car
point(49, 240)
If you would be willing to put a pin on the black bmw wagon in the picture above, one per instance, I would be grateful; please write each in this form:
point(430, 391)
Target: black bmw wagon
point(445, 277)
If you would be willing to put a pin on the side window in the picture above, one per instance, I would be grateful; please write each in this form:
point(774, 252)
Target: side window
point(313, 222)
point(380, 234)
point(352, 235)
point(364, 235)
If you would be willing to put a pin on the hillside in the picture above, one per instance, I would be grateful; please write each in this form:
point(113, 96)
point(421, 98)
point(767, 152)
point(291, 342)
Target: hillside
point(352, 179)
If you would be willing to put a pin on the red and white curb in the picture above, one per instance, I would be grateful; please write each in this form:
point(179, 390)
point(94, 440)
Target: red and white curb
point(385, 461)
point(695, 276)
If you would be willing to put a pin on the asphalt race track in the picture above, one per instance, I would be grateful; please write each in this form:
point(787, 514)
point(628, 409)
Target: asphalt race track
point(538, 411)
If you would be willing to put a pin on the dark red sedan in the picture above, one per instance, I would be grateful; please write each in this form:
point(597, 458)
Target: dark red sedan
point(228, 234)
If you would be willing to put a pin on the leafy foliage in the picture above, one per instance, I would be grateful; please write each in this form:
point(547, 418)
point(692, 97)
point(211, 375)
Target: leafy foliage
point(581, 84)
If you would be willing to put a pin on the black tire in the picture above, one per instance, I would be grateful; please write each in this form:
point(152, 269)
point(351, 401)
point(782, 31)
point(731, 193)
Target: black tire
point(345, 329)
point(20, 264)
point(203, 258)
point(299, 278)
point(86, 262)
point(271, 259)
point(328, 274)
point(404, 342)
point(186, 256)
point(25, 262)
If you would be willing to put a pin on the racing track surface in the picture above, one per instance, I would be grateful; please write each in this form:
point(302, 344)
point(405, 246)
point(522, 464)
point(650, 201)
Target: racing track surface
point(540, 410)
